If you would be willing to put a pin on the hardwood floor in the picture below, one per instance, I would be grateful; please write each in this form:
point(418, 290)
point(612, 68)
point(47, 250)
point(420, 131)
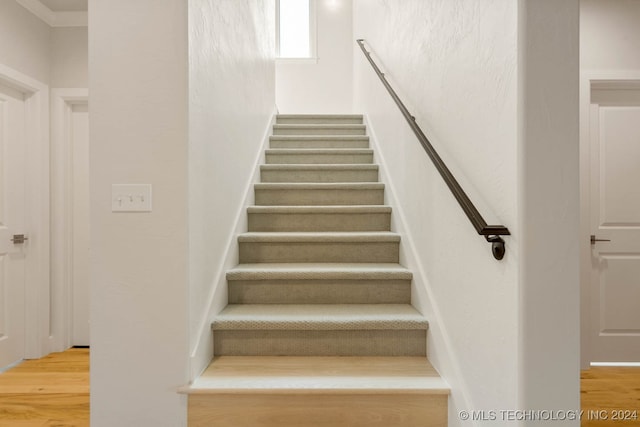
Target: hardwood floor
point(48, 392)
point(610, 396)
point(54, 392)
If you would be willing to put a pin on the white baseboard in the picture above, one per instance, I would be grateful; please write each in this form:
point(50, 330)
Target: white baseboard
point(616, 364)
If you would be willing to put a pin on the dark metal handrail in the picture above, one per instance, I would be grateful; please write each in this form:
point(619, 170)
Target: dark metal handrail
point(491, 232)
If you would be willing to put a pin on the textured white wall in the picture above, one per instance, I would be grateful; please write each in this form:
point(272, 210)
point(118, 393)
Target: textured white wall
point(454, 63)
point(232, 102)
point(24, 41)
point(69, 57)
point(609, 34)
point(138, 68)
point(494, 86)
point(325, 86)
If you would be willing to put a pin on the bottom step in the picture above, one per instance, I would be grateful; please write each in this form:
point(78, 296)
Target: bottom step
point(319, 391)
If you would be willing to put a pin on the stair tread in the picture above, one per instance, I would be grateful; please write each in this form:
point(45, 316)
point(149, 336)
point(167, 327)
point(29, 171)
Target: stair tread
point(319, 126)
point(320, 209)
point(318, 137)
point(297, 151)
point(319, 166)
point(328, 271)
point(319, 185)
point(317, 317)
point(319, 116)
point(310, 374)
point(319, 236)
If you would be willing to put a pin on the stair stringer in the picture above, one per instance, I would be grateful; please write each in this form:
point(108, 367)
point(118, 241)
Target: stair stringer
point(202, 350)
point(439, 348)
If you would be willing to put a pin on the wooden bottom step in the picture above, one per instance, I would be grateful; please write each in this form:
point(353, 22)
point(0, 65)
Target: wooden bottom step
point(318, 391)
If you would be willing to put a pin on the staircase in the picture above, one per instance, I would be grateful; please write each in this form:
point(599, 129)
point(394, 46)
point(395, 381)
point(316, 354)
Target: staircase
point(319, 330)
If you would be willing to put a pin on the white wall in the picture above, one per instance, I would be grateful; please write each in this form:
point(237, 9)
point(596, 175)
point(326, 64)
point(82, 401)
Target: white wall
point(325, 86)
point(609, 34)
point(24, 41)
point(138, 83)
point(548, 205)
point(454, 64)
point(232, 102)
point(487, 82)
point(69, 57)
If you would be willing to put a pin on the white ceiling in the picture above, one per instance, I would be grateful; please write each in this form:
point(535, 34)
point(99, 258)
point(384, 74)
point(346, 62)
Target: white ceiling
point(66, 5)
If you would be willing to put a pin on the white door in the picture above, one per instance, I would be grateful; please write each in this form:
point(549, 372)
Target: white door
point(80, 212)
point(615, 218)
point(12, 222)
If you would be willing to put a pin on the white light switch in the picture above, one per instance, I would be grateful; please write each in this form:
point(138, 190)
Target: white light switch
point(131, 198)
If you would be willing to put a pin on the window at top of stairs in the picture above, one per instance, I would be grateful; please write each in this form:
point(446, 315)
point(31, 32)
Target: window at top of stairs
point(295, 29)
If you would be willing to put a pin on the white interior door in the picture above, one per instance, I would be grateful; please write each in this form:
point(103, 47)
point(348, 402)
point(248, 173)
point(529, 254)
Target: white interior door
point(12, 222)
point(80, 212)
point(615, 216)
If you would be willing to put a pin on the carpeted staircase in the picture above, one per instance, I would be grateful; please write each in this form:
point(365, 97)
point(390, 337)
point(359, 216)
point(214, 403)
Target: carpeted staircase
point(319, 330)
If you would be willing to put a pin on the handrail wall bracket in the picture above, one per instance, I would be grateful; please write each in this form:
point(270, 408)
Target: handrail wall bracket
point(491, 232)
point(497, 246)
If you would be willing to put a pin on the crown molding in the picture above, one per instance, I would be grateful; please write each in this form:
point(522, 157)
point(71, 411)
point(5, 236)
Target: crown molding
point(55, 19)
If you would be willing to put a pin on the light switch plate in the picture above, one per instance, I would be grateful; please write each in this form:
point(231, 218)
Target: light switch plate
point(131, 198)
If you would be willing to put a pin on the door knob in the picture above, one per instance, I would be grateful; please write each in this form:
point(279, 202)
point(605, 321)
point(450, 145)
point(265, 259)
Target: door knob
point(594, 240)
point(18, 239)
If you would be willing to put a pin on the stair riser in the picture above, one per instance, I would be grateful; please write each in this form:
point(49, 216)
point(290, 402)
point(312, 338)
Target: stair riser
point(315, 158)
point(320, 343)
point(318, 410)
point(320, 222)
point(276, 252)
point(327, 197)
point(320, 292)
point(320, 131)
point(319, 143)
point(319, 120)
point(319, 176)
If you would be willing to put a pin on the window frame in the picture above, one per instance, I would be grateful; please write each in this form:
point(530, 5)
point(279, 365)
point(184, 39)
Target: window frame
point(313, 37)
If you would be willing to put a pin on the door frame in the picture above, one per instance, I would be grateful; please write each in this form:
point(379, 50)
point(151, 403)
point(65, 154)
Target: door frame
point(62, 102)
point(588, 80)
point(37, 282)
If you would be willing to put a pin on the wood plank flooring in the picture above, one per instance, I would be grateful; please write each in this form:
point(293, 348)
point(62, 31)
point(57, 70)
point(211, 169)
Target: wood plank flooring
point(606, 393)
point(48, 392)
